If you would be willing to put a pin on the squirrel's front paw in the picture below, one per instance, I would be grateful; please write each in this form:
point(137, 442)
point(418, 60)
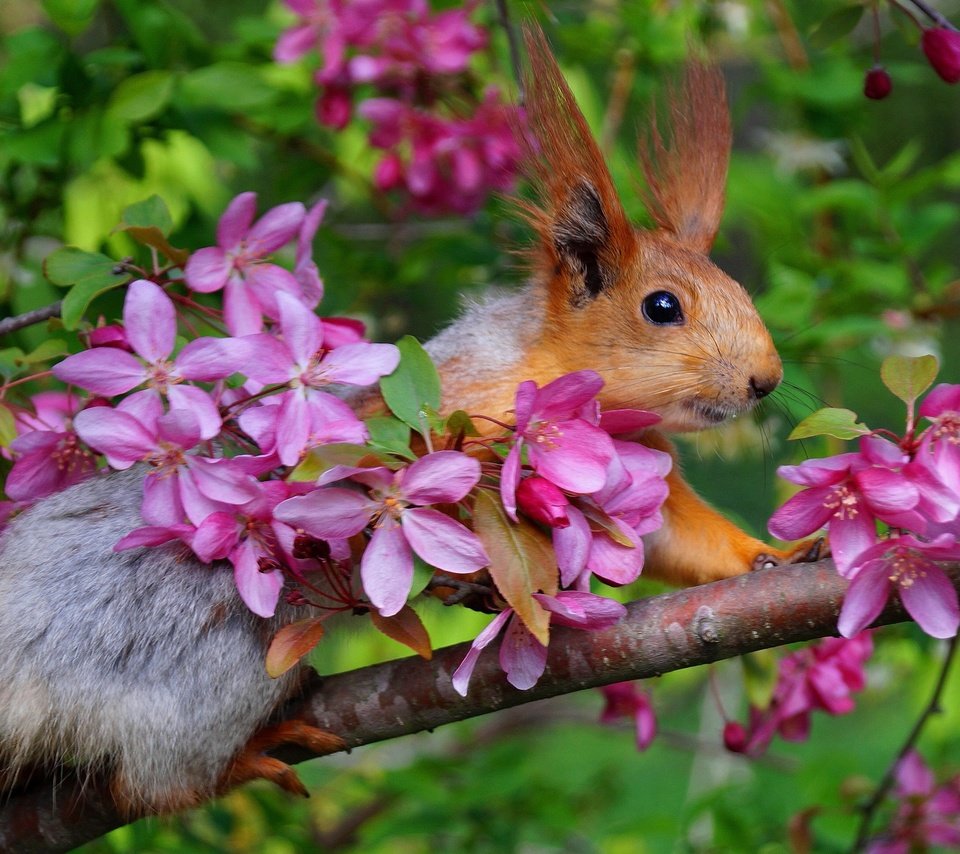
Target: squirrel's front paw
point(806, 551)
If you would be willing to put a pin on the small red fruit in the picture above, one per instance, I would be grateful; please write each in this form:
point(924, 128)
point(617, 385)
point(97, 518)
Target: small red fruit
point(877, 84)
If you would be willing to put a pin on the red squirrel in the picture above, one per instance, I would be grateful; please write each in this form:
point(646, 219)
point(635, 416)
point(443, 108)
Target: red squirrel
point(146, 666)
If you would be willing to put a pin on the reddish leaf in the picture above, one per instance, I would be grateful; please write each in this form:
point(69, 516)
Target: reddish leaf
point(405, 627)
point(522, 561)
point(291, 644)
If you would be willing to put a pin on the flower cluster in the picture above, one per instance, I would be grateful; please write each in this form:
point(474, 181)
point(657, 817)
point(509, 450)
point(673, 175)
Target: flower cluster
point(819, 677)
point(910, 487)
point(927, 814)
point(230, 431)
point(444, 146)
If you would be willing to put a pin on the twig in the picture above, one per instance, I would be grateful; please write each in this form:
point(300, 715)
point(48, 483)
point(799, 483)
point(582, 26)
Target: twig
point(932, 14)
point(29, 318)
point(933, 707)
point(514, 47)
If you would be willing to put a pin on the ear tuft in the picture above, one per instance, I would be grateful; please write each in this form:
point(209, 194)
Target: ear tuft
point(687, 172)
point(583, 229)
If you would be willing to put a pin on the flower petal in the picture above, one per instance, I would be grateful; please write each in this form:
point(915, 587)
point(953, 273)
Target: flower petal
point(118, 435)
point(207, 270)
point(572, 545)
point(161, 505)
point(259, 590)
point(275, 228)
point(443, 542)
point(208, 359)
point(559, 399)
point(801, 515)
point(327, 513)
point(360, 364)
point(103, 370)
point(576, 459)
point(293, 427)
point(443, 476)
point(236, 220)
point(216, 537)
point(302, 331)
point(510, 480)
point(932, 601)
point(150, 320)
point(189, 398)
point(386, 568)
point(241, 310)
point(522, 657)
point(865, 598)
point(461, 676)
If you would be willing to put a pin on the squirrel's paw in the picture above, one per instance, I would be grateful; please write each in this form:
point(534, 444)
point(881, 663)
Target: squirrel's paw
point(806, 551)
point(252, 763)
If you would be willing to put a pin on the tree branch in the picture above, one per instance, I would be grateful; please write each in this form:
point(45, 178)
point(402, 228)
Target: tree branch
point(28, 318)
point(673, 631)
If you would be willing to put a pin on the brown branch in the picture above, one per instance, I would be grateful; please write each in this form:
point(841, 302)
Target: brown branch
point(686, 628)
point(28, 318)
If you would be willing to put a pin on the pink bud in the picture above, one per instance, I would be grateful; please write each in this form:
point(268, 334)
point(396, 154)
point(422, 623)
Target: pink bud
point(942, 49)
point(333, 107)
point(109, 336)
point(543, 502)
point(389, 172)
point(734, 737)
point(877, 84)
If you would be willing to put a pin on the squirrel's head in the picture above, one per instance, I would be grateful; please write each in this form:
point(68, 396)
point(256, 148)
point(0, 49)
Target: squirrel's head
point(666, 329)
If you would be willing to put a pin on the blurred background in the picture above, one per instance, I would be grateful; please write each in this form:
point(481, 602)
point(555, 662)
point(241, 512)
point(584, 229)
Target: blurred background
point(842, 221)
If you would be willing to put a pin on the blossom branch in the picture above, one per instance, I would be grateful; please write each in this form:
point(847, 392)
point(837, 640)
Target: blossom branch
point(686, 628)
point(29, 318)
point(933, 707)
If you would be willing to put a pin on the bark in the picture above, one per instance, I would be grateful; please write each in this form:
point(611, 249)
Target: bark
point(685, 628)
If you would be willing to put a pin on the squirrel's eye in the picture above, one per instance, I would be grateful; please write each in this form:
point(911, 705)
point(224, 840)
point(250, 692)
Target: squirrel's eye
point(662, 308)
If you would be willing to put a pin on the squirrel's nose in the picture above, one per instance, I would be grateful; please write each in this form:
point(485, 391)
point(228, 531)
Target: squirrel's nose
point(762, 386)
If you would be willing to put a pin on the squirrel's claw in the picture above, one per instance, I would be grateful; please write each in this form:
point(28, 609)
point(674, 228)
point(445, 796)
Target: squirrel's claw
point(807, 551)
point(252, 763)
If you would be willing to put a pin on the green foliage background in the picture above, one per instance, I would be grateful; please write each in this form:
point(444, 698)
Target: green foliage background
point(840, 211)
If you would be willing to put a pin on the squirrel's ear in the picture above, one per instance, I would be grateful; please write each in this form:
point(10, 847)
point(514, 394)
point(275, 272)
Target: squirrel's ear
point(584, 232)
point(687, 173)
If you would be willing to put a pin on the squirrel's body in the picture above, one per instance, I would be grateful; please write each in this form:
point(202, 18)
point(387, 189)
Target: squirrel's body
point(146, 663)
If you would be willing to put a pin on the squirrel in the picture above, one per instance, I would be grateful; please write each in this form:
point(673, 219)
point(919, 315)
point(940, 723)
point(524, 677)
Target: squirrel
point(146, 666)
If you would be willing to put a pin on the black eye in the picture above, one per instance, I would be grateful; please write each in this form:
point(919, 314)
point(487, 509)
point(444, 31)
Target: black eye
point(662, 308)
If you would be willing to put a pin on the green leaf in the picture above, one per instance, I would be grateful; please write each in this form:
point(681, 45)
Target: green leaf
point(152, 211)
point(36, 103)
point(412, 391)
point(522, 561)
point(11, 362)
point(460, 423)
point(390, 435)
point(318, 460)
point(407, 628)
point(836, 25)
point(8, 426)
point(292, 643)
point(141, 97)
point(52, 348)
point(422, 575)
point(229, 86)
point(909, 376)
point(841, 423)
point(71, 16)
point(69, 265)
point(80, 296)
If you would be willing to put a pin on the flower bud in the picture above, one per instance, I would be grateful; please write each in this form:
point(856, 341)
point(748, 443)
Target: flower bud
point(942, 49)
point(543, 502)
point(735, 737)
point(113, 335)
point(877, 84)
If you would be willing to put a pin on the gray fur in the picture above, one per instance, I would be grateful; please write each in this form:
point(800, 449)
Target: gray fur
point(145, 661)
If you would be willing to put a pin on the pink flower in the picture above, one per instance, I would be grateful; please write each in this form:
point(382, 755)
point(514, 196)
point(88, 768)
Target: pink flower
point(822, 676)
point(927, 815)
point(402, 523)
point(300, 362)
point(150, 322)
point(626, 700)
point(238, 262)
point(904, 564)
point(849, 493)
point(49, 456)
point(522, 657)
point(179, 484)
point(942, 49)
point(562, 447)
point(305, 269)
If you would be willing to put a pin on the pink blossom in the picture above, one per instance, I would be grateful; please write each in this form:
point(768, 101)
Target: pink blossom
point(179, 484)
point(562, 447)
point(299, 361)
point(395, 506)
point(238, 263)
point(543, 502)
point(626, 700)
point(49, 456)
point(927, 815)
point(150, 322)
point(822, 676)
point(849, 492)
point(113, 335)
point(522, 657)
point(907, 565)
